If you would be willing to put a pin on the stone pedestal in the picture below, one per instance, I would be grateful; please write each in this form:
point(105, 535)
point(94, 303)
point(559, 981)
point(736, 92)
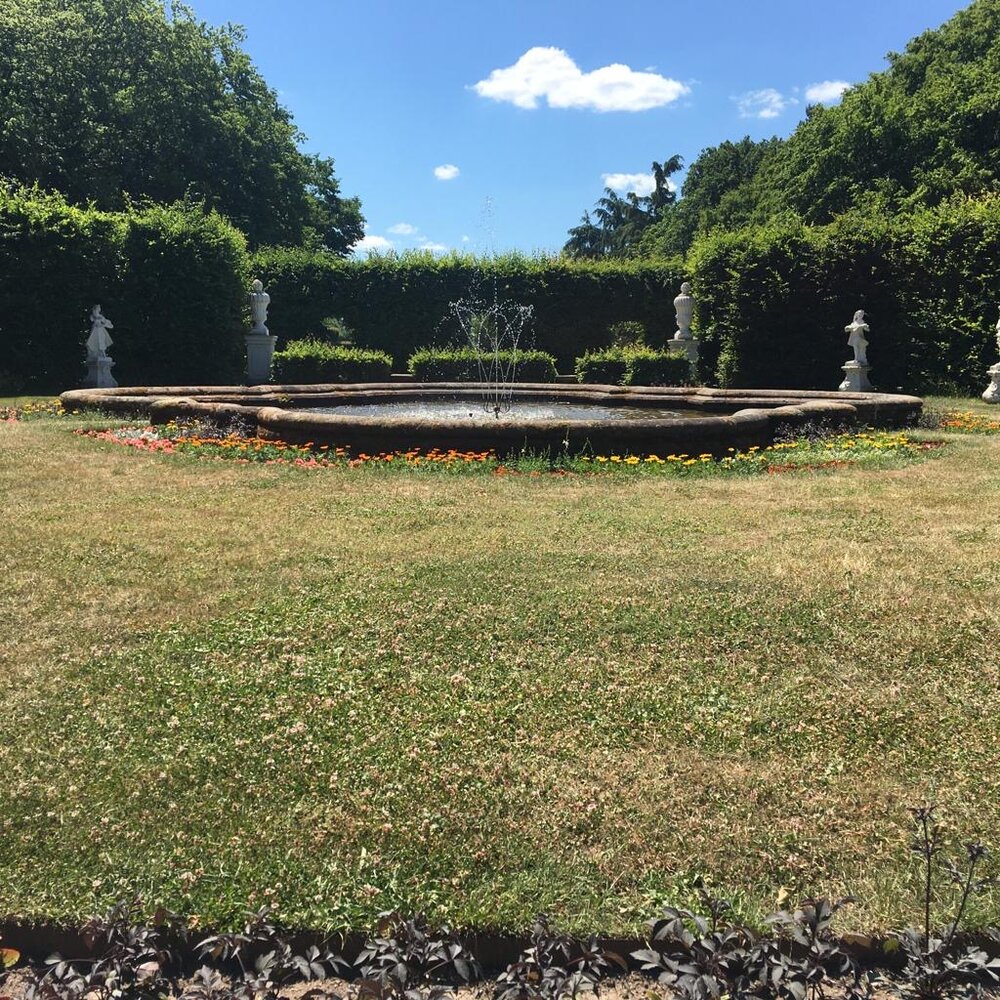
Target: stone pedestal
point(685, 345)
point(260, 350)
point(99, 374)
point(856, 378)
point(992, 394)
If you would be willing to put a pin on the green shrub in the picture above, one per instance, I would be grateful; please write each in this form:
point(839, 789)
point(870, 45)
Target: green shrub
point(602, 367)
point(56, 261)
point(314, 361)
point(171, 278)
point(773, 301)
point(461, 364)
point(647, 367)
point(634, 366)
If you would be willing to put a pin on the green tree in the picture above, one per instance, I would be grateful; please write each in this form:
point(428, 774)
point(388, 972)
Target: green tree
point(621, 222)
point(107, 100)
point(718, 192)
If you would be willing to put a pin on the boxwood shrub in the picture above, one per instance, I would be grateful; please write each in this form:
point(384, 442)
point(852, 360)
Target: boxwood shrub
point(460, 364)
point(634, 366)
point(313, 361)
point(648, 367)
point(602, 367)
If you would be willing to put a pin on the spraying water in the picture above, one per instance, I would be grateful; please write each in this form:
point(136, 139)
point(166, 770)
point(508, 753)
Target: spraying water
point(493, 327)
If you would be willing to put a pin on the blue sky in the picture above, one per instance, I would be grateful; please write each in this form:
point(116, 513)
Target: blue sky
point(493, 124)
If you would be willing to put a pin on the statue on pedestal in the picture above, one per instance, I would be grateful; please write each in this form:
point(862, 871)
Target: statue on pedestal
point(99, 340)
point(856, 331)
point(99, 365)
point(259, 301)
point(260, 343)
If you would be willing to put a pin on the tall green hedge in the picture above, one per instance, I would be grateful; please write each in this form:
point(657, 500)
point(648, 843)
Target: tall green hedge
point(773, 302)
point(172, 279)
point(302, 284)
point(402, 303)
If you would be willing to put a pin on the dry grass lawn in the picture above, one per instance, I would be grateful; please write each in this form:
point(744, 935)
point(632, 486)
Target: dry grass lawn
point(349, 690)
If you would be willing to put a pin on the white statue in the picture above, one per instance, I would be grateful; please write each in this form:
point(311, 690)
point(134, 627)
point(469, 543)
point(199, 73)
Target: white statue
point(684, 309)
point(992, 393)
point(856, 331)
point(99, 340)
point(259, 301)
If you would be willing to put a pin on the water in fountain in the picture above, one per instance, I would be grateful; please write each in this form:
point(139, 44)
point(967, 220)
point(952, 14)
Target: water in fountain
point(493, 329)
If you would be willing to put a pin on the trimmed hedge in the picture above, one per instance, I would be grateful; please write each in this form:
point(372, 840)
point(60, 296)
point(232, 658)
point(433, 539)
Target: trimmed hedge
point(602, 367)
point(171, 279)
point(402, 303)
point(461, 364)
point(646, 367)
point(634, 366)
point(773, 302)
point(313, 361)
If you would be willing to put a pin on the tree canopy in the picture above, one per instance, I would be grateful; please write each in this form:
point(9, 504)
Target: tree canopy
point(621, 222)
point(923, 130)
point(111, 100)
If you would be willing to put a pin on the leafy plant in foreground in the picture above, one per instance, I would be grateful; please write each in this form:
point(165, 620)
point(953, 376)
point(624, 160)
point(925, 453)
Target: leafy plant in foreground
point(555, 966)
point(701, 956)
point(410, 960)
point(134, 963)
point(816, 955)
point(938, 965)
point(266, 960)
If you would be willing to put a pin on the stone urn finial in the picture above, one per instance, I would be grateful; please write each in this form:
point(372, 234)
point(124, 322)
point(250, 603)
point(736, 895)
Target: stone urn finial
point(684, 309)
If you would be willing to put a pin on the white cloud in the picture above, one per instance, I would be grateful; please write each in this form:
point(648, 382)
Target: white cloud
point(402, 229)
point(766, 103)
point(433, 247)
point(465, 239)
point(827, 92)
point(369, 243)
point(548, 72)
point(641, 184)
point(446, 172)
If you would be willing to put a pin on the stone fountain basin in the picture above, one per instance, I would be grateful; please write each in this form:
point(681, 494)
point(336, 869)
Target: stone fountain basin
point(712, 420)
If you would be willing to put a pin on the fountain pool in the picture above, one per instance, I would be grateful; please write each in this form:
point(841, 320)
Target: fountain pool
point(388, 417)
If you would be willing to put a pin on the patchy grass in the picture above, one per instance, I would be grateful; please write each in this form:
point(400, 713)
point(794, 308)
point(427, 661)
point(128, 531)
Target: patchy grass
point(349, 689)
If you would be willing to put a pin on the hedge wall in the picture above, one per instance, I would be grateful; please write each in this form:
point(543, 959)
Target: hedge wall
point(171, 279)
point(401, 303)
point(773, 302)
